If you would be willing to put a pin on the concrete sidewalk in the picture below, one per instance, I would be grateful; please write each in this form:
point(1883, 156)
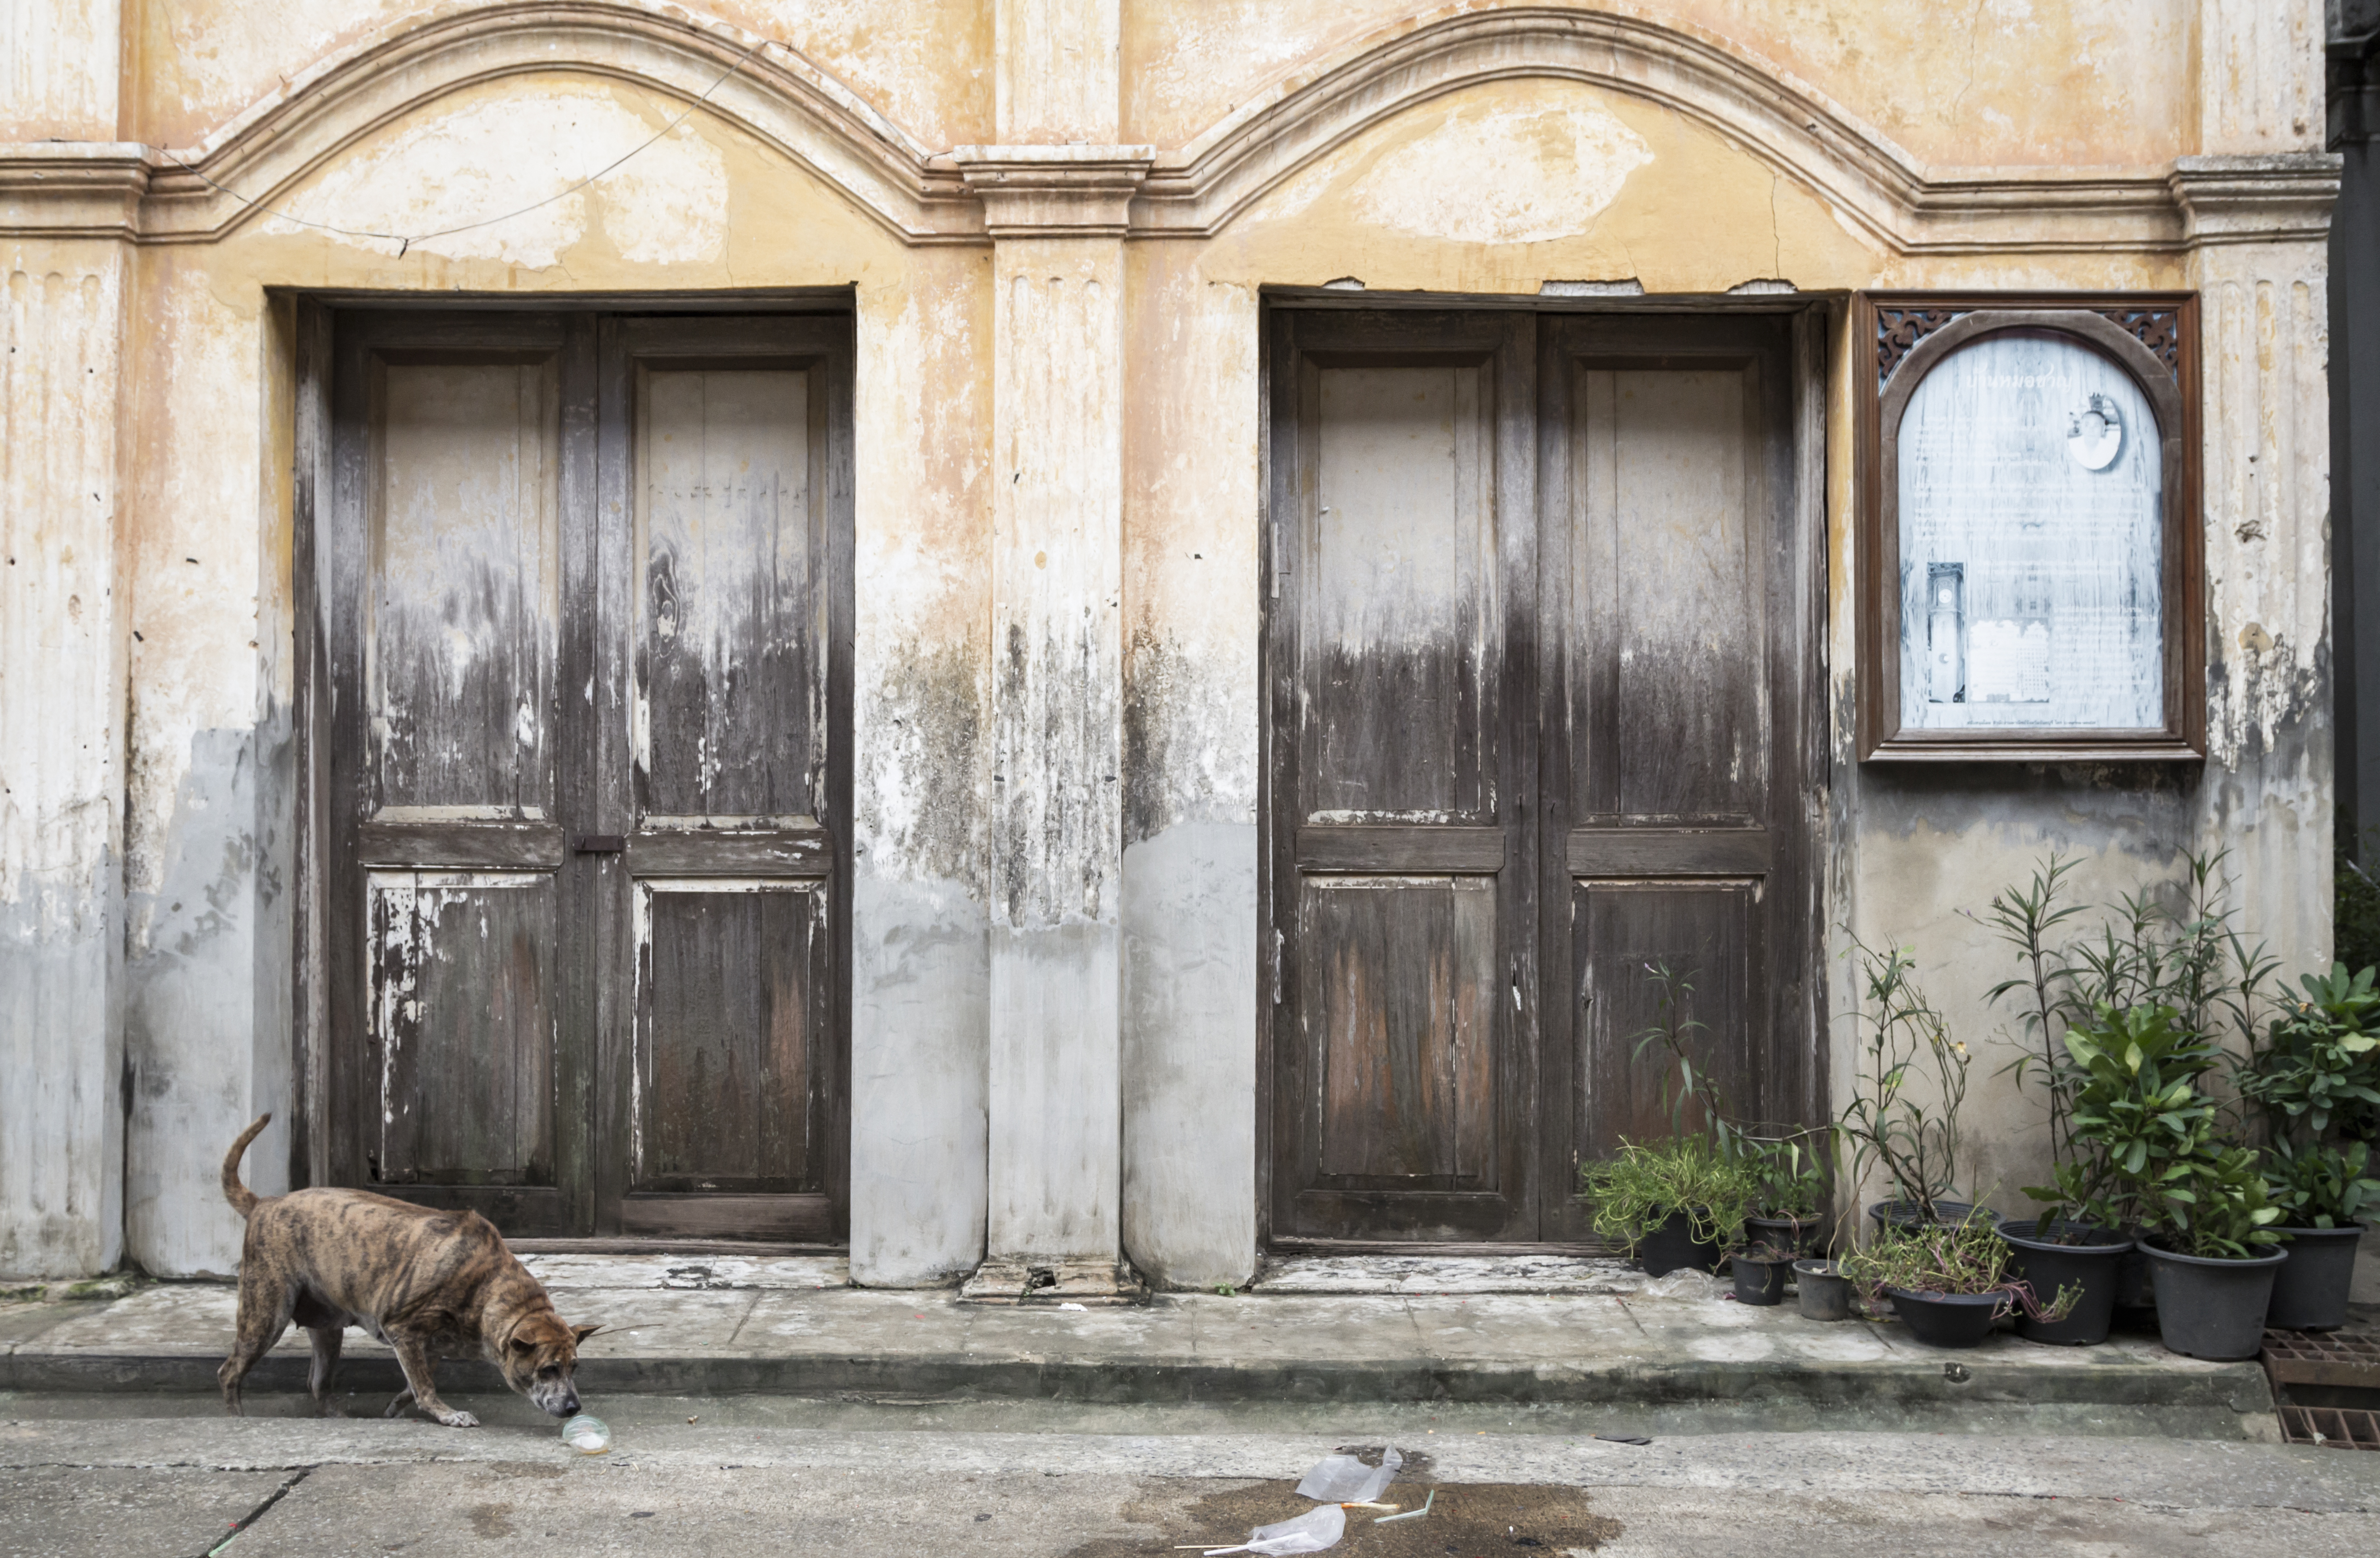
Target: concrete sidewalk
point(1595, 1332)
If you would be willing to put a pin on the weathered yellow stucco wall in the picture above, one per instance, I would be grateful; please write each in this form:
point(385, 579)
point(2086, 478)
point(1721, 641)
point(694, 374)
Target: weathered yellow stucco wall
point(1480, 152)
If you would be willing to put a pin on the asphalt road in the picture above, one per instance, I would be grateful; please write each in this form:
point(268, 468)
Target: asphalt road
point(168, 1476)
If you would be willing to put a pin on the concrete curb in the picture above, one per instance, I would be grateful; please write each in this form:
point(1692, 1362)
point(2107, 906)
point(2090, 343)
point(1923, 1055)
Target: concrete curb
point(2236, 1388)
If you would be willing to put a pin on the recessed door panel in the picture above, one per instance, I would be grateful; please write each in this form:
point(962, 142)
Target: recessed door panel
point(1402, 986)
point(465, 597)
point(729, 623)
point(1670, 596)
point(1402, 586)
point(733, 980)
point(462, 1023)
point(1626, 934)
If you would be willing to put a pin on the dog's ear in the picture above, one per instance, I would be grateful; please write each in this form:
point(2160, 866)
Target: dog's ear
point(522, 1346)
point(580, 1333)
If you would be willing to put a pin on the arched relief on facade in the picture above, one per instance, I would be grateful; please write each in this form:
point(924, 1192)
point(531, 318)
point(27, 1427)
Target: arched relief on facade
point(1874, 186)
point(764, 89)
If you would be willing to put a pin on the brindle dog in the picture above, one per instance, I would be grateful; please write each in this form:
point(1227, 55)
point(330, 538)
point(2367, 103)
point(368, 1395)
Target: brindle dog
point(430, 1283)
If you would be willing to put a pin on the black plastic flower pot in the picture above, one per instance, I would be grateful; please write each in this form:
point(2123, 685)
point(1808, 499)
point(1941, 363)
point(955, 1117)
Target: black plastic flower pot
point(2088, 1264)
point(1826, 1292)
point(2310, 1289)
point(1948, 1319)
point(1798, 1233)
point(1904, 1214)
point(2211, 1309)
point(1671, 1246)
point(1760, 1282)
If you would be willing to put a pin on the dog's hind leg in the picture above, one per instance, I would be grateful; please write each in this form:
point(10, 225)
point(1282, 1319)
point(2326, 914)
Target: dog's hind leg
point(265, 1295)
point(413, 1357)
point(326, 1340)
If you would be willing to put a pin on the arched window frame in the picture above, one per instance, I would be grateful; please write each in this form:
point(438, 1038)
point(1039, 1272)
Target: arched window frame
point(1901, 337)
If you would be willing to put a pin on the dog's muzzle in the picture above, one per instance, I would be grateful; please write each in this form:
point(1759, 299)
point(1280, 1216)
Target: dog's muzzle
point(554, 1401)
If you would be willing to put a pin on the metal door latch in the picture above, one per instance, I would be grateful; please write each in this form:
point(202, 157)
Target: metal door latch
point(600, 844)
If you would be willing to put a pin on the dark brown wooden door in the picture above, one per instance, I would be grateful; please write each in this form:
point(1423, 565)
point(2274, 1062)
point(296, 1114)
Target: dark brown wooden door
point(1537, 656)
point(586, 622)
point(1403, 899)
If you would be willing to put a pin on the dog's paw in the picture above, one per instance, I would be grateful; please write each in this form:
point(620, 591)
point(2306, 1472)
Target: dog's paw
point(458, 1419)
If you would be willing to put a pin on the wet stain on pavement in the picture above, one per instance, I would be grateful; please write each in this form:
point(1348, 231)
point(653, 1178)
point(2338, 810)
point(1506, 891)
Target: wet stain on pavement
point(1468, 1520)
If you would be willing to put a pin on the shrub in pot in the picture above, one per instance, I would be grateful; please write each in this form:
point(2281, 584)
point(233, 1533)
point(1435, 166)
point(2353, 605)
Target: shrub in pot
point(1761, 1271)
point(2212, 1255)
point(1670, 1204)
point(1949, 1284)
point(1791, 1190)
point(2321, 1191)
point(2314, 1080)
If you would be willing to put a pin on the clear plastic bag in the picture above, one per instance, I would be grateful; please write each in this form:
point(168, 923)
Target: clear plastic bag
point(1346, 1479)
point(588, 1436)
point(1310, 1532)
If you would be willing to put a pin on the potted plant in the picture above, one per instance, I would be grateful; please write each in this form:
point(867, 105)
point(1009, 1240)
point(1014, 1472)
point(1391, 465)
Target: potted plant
point(1890, 1123)
point(1670, 1204)
point(2212, 1254)
point(1761, 1270)
point(1949, 1283)
point(1676, 1203)
point(2314, 1078)
point(1790, 1190)
point(2118, 1033)
point(2321, 1191)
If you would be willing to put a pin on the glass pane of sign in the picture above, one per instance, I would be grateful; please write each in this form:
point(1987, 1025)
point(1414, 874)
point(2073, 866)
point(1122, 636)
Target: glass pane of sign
point(2031, 487)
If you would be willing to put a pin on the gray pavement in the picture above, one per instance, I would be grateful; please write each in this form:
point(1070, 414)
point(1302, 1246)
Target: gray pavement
point(127, 1476)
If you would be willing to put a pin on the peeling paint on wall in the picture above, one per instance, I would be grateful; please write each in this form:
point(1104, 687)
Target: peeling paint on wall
point(1489, 174)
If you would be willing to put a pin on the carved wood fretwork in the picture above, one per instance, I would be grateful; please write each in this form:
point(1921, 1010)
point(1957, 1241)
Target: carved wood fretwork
point(2157, 329)
point(1898, 330)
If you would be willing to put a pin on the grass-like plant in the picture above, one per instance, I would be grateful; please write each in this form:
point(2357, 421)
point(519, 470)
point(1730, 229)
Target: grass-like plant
point(1889, 1124)
point(1961, 1258)
point(1642, 1185)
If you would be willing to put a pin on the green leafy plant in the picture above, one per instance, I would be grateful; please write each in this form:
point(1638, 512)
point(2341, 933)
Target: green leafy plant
point(1690, 1095)
point(2139, 1112)
point(2321, 1185)
point(1965, 1258)
point(1788, 1173)
point(2315, 1072)
point(1908, 1131)
point(2215, 1206)
point(1639, 1187)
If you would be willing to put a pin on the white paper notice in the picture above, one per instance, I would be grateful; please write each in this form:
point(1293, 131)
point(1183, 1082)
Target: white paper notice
point(2031, 486)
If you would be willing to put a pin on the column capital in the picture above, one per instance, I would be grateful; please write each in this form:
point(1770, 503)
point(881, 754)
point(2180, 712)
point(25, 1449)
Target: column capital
point(1054, 191)
point(2272, 198)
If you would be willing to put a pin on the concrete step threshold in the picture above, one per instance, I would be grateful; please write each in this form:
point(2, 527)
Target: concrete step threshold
point(1582, 1332)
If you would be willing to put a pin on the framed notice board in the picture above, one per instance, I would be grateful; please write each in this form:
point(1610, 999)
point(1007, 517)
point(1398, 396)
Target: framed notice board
point(2032, 573)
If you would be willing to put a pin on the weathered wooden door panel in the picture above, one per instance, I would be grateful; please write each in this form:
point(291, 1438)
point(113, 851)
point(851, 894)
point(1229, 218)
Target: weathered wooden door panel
point(1403, 525)
point(734, 470)
point(1706, 933)
point(733, 991)
point(1400, 980)
point(462, 1008)
point(587, 620)
point(1678, 656)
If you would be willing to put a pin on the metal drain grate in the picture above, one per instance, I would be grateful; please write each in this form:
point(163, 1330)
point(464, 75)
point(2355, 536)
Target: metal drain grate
point(2333, 1428)
point(2348, 1358)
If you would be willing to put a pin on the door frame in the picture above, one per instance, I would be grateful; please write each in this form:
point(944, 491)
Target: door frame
point(316, 1094)
point(1817, 322)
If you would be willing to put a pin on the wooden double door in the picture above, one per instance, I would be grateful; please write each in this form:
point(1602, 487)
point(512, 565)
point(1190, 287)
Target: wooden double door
point(1542, 668)
point(581, 701)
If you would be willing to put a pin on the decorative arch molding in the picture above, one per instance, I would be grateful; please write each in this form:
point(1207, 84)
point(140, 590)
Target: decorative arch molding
point(1904, 206)
point(771, 91)
point(782, 99)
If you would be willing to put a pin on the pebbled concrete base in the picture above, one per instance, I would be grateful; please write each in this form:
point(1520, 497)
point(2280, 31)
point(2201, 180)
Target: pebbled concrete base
point(781, 1331)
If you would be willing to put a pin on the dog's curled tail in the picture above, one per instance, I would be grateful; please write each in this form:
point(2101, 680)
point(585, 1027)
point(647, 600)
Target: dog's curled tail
point(242, 1199)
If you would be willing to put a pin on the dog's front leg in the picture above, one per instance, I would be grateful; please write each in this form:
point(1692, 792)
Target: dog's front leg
point(326, 1340)
point(413, 1357)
